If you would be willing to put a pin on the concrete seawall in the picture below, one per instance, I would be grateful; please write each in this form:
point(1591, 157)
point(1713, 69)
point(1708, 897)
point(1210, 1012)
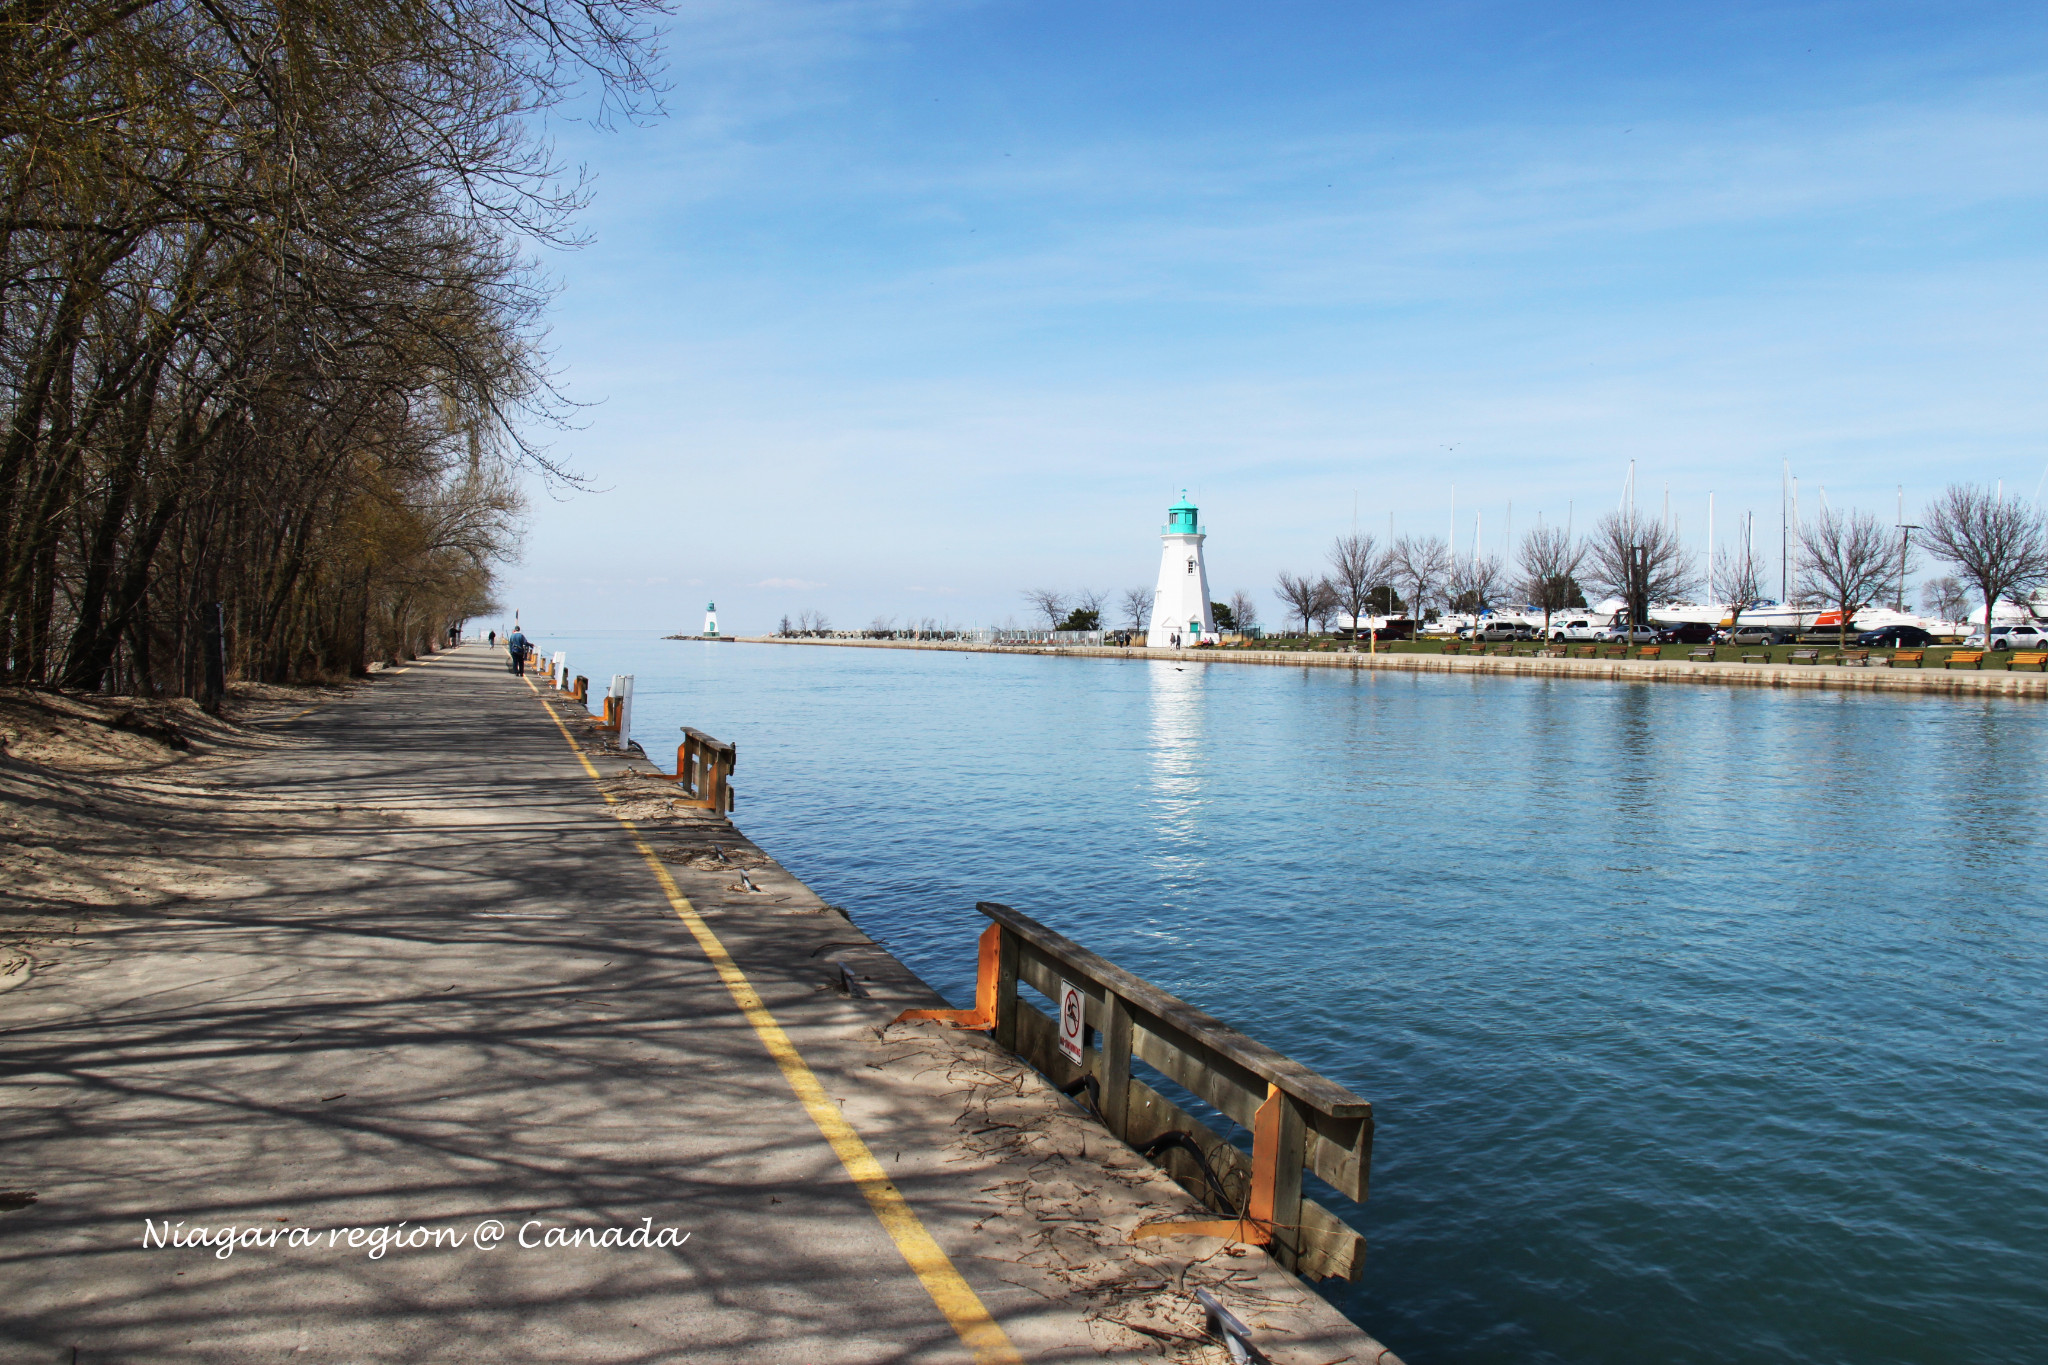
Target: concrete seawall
point(430, 968)
point(1950, 682)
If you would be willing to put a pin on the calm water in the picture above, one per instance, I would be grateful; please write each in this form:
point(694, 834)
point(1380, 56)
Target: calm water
point(1699, 1024)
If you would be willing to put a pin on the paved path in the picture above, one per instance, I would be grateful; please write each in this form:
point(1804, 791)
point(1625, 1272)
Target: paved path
point(442, 988)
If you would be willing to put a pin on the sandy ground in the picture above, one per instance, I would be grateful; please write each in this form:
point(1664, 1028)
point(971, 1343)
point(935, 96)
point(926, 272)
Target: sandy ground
point(85, 787)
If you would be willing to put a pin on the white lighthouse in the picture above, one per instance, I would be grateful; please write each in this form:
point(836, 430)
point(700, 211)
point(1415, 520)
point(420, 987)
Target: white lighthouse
point(1180, 605)
point(711, 620)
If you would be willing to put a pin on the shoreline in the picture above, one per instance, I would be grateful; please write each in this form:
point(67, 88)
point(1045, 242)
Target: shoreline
point(1945, 682)
point(325, 918)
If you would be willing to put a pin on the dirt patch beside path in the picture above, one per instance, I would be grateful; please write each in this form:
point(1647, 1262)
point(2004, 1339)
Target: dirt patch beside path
point(90, 791)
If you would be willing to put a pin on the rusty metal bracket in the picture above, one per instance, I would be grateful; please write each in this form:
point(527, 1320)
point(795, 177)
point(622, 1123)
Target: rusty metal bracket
point(1256, 1223)
point(983, 1015)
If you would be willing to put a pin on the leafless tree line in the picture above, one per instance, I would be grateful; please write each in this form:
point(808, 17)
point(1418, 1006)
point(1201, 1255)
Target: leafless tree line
point(1847, 561)
point(269, 319)
point(1132, 609)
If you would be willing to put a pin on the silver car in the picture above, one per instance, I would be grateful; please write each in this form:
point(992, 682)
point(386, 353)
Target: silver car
point(2011, 637)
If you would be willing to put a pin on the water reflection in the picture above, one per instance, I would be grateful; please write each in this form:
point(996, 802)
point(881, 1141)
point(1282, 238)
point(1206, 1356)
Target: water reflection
point(1179, 763)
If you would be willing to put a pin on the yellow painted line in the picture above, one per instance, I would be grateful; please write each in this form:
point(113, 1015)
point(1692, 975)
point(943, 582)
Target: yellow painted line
point(963, 1308)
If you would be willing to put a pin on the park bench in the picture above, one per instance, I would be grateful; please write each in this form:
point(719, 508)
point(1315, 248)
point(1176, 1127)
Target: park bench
point(1854, 658)
point(1965, 656)
point(1650, 652)
point(1915, 657)
point(1554, 651)
point(1614, 651)
point(1803, 656)
point(2037, 661)
point(1756, 658)
point(1452, 646)
point(1585, 651)
point(1701, 656)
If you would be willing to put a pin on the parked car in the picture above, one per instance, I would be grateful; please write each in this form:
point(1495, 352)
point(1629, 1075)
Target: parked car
point(1497, 630)
point(2010, 637)
point(1741, 634)
point(1620, 635)
point(1687, 633)
point(1577, 628)
point(1896, 637)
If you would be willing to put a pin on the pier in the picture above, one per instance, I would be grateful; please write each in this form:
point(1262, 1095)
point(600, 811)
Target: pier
point(445, 961)
point(1949, 682)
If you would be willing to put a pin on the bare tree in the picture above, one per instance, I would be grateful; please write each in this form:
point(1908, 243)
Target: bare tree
point(1049, 603)
point(1305, 597)
point(1244, 610)
point(1741, 576)
point(1328, 606)
point(1091, 601)
point(1845, 561)
point(1550, 558)
point(1945, 598)
point(1420, 565)
point(1475, 583)
point(1356, 568)
point(1668, 571)
point(2000, 546)
point(1136, 606)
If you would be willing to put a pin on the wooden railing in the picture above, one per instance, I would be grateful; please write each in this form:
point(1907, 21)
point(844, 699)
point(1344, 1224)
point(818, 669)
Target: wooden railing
point(704, 771)
point(1299, 1121)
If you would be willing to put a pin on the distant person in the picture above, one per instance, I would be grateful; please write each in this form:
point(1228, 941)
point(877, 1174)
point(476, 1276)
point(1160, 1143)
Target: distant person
point(494, 639)
point(519, 647)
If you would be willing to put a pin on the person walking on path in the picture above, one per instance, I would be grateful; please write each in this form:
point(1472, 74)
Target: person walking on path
point(518, 645)
point(494, 639)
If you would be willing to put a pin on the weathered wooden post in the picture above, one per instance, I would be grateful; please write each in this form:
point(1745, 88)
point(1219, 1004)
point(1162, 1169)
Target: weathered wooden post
point(1006, 989)
point(1113, 1063)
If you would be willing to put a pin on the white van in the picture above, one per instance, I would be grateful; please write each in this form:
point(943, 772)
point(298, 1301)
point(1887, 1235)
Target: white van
point(1577, 628)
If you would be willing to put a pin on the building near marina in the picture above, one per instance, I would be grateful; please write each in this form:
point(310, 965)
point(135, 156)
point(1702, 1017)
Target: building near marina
point(1180, 604)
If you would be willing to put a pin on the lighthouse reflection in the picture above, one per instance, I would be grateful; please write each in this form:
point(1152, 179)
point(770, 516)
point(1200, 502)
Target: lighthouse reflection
point(1178, 735)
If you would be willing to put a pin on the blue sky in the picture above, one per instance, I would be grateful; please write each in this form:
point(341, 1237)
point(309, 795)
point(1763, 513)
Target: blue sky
point(905, 308)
